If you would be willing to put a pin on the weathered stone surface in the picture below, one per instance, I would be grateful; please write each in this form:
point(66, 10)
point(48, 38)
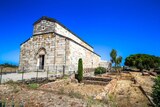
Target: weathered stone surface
point(58, 46)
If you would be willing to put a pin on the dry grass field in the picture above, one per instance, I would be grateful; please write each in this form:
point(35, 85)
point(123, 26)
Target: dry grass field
point(64, 92)
point(9, 69)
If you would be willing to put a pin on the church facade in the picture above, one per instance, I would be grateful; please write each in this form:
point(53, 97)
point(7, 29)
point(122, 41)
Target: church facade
point(53, 46)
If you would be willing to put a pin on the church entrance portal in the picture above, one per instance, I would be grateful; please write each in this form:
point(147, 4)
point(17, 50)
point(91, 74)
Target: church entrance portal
point(41, 62)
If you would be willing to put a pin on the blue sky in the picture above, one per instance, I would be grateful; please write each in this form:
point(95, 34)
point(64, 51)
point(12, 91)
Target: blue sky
point(129, 26)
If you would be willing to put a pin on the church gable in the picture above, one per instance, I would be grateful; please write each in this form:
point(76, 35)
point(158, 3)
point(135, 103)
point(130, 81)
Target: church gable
point(48, 25)
point(43, 26)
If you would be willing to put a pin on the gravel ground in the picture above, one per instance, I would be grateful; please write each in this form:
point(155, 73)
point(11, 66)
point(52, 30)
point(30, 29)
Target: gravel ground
point(146, 82)
point(68, 87)
point(128, 95)
point(64, 93)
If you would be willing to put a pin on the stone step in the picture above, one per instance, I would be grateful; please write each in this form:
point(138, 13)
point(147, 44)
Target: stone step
point(95, 82)
point(97, 79)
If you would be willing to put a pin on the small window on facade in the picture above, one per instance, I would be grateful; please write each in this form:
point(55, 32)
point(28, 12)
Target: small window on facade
point(43, 27)
point(43, 21)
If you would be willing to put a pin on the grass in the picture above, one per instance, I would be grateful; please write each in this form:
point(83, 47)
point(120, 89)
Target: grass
point(33, 86)
point(61, 91)
point(73, 94)
point(65, 77)
point(20, 72)
point(93, 103)
point(111, 100)
point(14, 85)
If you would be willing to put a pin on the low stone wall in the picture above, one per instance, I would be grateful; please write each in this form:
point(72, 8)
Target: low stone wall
point(96, 81)
point(37, 80)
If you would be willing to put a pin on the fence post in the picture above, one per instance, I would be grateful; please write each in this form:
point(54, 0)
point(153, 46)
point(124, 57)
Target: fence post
point(56, 71)
point(4, 104)
point(12, 102)
point(21, 104)
point(63, 70)
point(37, 75)
point(47, 72)
point(0, 103)
point(22, 74)
point(1, 75)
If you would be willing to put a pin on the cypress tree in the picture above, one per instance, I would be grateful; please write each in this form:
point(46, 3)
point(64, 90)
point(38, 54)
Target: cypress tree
point(80, 70)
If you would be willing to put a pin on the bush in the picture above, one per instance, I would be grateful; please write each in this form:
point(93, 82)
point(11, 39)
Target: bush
point(100, 70)
point(156, 92)
point(157, 70)
point(33, 86)
point(80, 70)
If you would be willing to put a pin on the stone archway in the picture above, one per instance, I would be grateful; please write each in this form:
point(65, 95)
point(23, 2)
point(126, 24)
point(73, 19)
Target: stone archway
point(41, 58)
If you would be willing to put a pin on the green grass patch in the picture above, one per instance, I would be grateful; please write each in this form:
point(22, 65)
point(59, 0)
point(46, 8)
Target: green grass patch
point(65, 77)
point(33, 86)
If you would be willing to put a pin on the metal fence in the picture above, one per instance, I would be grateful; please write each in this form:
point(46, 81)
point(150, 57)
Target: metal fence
point(35, 73)
point(49, 72)
point(11, 104)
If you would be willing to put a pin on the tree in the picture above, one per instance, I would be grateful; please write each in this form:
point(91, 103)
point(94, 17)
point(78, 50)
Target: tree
point(80, 70)
point(140, 66)
point(113, 56)
point(142, 61)
point(114, 59)
point(119, 60)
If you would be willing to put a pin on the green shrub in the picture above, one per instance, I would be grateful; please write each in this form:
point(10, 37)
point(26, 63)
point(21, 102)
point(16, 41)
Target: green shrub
point(80, 70)
point(156, 92)
point(33, 86)
point(100, 70)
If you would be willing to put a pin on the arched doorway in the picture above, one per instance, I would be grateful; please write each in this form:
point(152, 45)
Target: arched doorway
point(41, 58)
point(41, 62)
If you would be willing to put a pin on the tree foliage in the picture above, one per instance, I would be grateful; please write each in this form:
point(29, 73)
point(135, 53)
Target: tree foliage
point(113, 55)
point(119, 60)
point(142, 61)
point(156, 92)
point(114, 59)
point(80, 70)
point(100, 70)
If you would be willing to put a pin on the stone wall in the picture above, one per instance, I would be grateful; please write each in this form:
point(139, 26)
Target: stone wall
point(43, 26)
point(60, 47)
point(29, 51)
point(90, 60)
point(58, 51)
point(105, 64)
point(61, 30)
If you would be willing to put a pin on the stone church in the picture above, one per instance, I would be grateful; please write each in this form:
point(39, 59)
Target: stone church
point(53, 46)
